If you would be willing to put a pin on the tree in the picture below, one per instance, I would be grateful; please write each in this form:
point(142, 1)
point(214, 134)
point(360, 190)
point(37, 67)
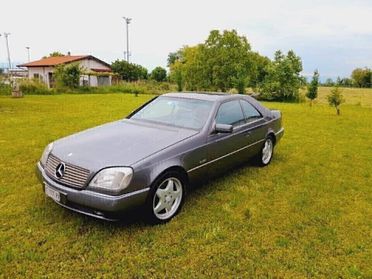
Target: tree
point(312, 89)
point(362, 77)
point(227, 58)
point(335, 99)
point(329, 82)
point(283, 79)
point(54, 54)
point(186, 69)
point(222, 62)
point(259, 71)
point(159, 74)
point(129, 71)
point(68, 75)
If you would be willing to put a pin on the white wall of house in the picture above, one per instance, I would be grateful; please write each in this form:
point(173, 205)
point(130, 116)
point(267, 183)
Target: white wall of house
point(41, 73)
point(93, 64)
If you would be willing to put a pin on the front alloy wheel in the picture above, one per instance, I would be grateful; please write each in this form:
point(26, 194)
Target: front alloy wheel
point(166, 198)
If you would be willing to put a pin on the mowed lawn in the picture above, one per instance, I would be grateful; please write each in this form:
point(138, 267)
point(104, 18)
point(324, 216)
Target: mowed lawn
point(308, 214)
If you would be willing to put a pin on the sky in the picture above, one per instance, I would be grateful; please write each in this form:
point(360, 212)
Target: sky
point(333, 36)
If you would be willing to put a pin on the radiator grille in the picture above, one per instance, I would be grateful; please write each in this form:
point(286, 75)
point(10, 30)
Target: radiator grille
point(74, 176)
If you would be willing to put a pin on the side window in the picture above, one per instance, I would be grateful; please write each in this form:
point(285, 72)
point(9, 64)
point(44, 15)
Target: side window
point(250, 111)
point(230, 113)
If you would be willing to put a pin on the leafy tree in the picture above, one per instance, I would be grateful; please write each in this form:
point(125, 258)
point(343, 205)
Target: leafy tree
point(362, 77)
point(227, 58)
point(159, 74)
point(186, 68)
point(129, 71)
point(283, 80)
point(259, 71)
point(68, 75)
point(329, 82)
point(54, 54)
point(335, 99)
point(173, 57)
point(312, 89)
point(222, 62)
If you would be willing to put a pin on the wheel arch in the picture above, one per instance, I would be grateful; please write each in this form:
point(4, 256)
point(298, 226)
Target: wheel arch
point(272, 135)
point(176, 168)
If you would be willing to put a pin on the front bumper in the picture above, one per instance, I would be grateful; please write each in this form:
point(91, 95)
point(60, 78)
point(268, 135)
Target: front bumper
point(91, 203)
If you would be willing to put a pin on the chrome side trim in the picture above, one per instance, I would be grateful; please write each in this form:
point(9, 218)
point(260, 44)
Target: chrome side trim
point(127, 195)
point(280, 131)
point(224, 156)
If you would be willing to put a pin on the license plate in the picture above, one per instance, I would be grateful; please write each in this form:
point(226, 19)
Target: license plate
point(55, 195)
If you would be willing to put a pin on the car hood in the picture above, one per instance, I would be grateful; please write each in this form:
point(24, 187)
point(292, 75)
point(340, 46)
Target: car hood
point(120, 143)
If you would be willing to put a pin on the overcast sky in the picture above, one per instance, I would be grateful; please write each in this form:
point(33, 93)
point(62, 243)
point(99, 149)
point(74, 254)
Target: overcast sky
point(333, 36)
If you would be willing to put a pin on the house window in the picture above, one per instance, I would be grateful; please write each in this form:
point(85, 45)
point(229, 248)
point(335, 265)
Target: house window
point(36, 76)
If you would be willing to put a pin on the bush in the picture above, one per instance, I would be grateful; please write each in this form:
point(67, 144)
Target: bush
point(335, 99)
point(129, 71)
point(5, 89)
point(283, 79)
point(33, 87)
point(159, 74)
point(68, 76)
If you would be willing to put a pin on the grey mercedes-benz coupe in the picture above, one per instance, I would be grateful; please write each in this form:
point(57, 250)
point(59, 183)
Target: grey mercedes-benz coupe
point(151, 157)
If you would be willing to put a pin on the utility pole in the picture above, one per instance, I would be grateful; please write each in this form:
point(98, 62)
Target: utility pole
point(7, 48)
point(0, 65)
point(28, 53)
point(127, 22)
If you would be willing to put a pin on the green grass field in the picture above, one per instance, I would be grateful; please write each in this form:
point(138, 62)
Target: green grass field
point(309, 214)
point(353, 96)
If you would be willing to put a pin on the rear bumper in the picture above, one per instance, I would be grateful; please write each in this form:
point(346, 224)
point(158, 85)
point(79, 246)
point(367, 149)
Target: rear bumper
point(91, 203)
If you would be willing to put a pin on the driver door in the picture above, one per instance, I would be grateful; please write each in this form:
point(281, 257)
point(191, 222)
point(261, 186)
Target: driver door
point(223, 148)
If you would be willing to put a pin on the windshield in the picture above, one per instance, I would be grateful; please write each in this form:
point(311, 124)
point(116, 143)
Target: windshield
point(181, 112)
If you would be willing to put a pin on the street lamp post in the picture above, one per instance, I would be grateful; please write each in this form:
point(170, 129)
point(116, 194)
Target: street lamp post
point(0, 66)
point(127, 22)
point(6, 35)
point(28, 53)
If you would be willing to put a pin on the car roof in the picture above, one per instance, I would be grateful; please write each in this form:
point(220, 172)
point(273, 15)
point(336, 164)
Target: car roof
point(207, 96)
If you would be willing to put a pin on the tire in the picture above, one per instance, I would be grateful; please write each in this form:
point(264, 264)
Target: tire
point(166, 197)
point(266, 153)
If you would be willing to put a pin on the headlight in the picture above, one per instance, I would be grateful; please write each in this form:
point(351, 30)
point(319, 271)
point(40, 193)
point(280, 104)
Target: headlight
point(46, 153)
point(112, 179)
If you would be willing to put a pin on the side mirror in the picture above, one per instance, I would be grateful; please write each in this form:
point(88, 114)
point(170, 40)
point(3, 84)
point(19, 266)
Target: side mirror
point(223, 128)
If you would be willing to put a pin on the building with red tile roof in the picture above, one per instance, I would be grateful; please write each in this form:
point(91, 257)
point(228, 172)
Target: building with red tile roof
point(96, 71)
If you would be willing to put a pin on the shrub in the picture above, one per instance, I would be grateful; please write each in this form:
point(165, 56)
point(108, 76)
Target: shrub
point(129, 71)
point(159, 74)
point(312, 88)
point(68, 75)
point(33, 87)
point(283, 79)
point(335, 99)
point(5, 89)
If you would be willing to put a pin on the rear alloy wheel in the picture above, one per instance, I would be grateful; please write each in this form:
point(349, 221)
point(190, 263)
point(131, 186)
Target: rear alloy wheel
point(166, 198)
point(267, 152)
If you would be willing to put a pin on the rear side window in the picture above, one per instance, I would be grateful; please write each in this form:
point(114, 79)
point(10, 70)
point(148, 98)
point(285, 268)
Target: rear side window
point(250, 112)
point(230, 113)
